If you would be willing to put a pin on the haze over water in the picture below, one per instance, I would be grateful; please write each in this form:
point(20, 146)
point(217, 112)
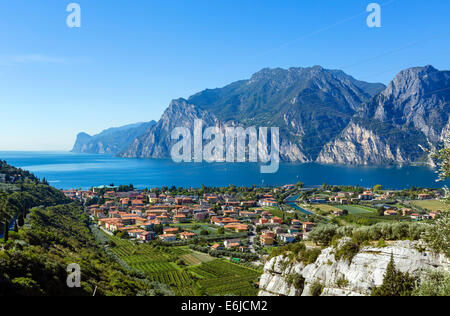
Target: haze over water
point(66, 170)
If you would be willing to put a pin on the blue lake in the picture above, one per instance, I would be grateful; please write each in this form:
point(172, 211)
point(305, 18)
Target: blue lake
point(66, 170)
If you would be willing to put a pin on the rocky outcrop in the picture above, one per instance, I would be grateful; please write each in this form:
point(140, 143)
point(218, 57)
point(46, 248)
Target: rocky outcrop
point(110, 141)
point(358, 145)
point(341, 278)
point(156, 143)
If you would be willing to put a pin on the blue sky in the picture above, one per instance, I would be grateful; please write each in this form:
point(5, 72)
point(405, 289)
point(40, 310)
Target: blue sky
point(130, 58)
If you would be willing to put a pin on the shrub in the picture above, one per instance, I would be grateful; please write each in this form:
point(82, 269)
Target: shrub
point(381, 243)
point(316, 289)
point(323, 234)
point(434, 283)
point(342, 282)
point(297, 281)
point(347, 251)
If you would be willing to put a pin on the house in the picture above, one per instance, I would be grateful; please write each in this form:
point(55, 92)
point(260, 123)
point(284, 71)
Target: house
point(232, 243)
point(237, 227)
point(276, 220)
point(296, 222)
point(366, 196)
point(180, 218)
point(424, 197)
point(390, 213)
point(136, 233)
point(170, 231)
point(287, 238)
point(187, 235)
point(267, 239)
point(263, 221)
point(148, 236)
point(168, 237)
point(416, 217)
point(2, 177)
point(216, 247)
point(268, 202)
point(200, 216)
point(137, 203)
point(308, 226)
point(248, 203)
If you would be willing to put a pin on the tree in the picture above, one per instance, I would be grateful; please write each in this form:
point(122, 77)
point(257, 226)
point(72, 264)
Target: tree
point(20, 220)
point(438, 234)
point(6, 231)
point(395, 283)
point(16, 227)
point(378, 188)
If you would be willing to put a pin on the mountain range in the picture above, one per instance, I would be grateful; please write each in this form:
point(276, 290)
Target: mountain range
point(324, 116)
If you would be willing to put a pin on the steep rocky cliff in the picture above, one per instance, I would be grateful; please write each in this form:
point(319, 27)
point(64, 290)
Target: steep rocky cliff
point(110, 141)
point(412, 110)
point(341, 278)
point(156, 143)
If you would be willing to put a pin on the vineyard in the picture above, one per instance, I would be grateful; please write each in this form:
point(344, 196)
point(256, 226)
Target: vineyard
point(204, 275)
point(220, 277)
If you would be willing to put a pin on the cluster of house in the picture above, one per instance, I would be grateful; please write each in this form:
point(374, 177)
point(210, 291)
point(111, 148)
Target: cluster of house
point(297, 230)
point(409, 212)
point(137, 212)
point(345, 198)
point(276, 230)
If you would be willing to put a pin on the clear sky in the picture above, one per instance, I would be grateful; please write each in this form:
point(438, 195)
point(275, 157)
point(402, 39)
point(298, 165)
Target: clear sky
point(130, 58)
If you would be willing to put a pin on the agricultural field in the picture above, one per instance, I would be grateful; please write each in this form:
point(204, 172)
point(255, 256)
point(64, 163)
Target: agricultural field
point(326, 208)
point(202, 275)
point(356, 210)
point(279, 213)
point(220, 277)
point(430, 205)
point(196, 258)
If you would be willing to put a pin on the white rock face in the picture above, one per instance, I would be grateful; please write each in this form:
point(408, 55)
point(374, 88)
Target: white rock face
point(366, 270)
point(359, 146)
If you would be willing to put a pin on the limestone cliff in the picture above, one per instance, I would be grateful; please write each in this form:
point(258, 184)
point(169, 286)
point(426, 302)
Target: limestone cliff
point(341, 278)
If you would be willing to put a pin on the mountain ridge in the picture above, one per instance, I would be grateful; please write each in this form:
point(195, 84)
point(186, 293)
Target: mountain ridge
point(324, 116)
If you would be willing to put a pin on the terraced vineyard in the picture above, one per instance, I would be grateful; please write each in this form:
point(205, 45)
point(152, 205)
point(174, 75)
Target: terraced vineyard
point(220, 277)
point(203, 276)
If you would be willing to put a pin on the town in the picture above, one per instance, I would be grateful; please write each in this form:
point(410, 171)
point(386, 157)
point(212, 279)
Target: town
point(238, 221)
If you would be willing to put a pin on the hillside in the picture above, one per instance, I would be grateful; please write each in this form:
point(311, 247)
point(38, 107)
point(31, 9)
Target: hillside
point(52, 233)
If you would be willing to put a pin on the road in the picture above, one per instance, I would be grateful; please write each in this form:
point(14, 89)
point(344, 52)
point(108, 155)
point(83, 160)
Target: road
point(252, 240)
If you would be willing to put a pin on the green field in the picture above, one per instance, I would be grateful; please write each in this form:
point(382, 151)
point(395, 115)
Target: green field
point(430, 205)
point(203, 275)
point(326, 208)
point(196, 258)
point(356, 210)
point(220, 277)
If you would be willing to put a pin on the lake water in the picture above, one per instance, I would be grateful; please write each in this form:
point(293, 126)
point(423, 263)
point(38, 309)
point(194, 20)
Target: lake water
point(66, 170)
